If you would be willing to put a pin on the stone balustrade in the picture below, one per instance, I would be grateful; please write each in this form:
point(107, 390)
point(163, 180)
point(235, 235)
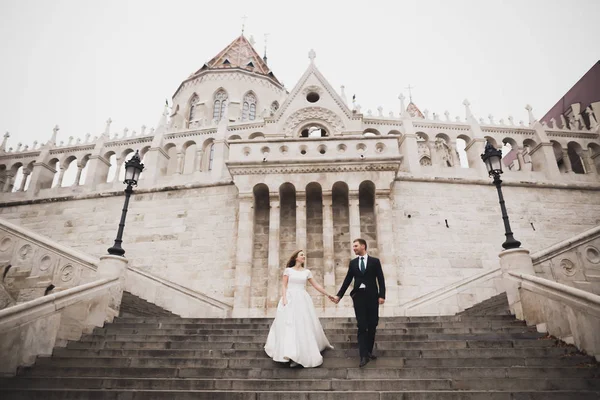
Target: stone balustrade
point(574, 262)
point(33, 265)
point(37, 326)
point(571, 314)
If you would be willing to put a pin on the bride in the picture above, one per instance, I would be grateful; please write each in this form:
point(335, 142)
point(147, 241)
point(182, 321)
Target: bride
point(296, 334)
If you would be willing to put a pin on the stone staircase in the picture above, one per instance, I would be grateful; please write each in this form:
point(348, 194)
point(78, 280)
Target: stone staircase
point(133, 306)
point(435, 358)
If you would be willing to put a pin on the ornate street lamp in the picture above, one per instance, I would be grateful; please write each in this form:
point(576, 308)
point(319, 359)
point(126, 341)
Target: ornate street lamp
point(493, 161)
point(133, 169)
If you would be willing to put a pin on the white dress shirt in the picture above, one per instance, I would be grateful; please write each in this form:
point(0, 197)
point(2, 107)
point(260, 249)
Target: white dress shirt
point(366, 258)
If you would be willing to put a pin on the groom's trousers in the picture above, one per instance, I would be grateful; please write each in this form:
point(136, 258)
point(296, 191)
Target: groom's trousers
point(366, 309)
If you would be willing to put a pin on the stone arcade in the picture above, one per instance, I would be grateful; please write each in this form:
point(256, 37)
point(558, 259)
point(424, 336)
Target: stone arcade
point(240, 173)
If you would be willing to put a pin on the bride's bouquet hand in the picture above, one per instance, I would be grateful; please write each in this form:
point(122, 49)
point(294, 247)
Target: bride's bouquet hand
point(284, 301)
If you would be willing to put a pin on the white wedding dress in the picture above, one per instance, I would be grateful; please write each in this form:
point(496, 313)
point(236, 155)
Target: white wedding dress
point(296, 333)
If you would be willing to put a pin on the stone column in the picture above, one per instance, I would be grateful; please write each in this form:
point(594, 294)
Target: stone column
point(587, 162)
point(61, 175)
point(120, 162)
point(328, 261)
point(354, 213)
point(595, 162)
point(301, 220)
point(387, 254)
point(8, 183)
point(454, 154)
point(179, 165)
point(198, 161)
point(273, 260)
point(24, 180)
point(516, 261)
point(78, 176)
point(521, 159)
point(544, 159)
point(567, 161)
point(243, 256)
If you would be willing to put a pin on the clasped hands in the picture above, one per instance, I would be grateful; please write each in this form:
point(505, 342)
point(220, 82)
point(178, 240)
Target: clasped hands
point(336, 299)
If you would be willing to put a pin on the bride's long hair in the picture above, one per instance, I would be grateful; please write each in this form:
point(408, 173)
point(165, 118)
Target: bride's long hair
point(292, 261)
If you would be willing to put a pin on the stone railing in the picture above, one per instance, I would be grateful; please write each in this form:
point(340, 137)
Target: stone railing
point(574, 262)
point(35, 327)
point(33, 265)
point(572, 315)
point(173, 297)
point(480, 287)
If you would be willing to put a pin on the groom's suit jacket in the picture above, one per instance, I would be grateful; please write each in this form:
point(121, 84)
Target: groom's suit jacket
point(371, 278)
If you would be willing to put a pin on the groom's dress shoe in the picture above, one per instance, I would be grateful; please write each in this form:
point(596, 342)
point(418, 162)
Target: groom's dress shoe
point(372, 356)
point(363, 361)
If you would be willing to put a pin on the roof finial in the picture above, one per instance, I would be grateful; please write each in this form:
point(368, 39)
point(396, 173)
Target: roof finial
point(3, 145)
point(265, 56)
point(409, 92)
point(54, 134)
point(402, 108)
point(312, 55)
point(244, 18)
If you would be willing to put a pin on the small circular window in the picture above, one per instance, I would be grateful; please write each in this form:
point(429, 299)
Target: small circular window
point(313, 97)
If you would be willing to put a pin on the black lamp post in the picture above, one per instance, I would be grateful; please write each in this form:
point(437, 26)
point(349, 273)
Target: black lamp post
point(133, 169)
point(493, 161)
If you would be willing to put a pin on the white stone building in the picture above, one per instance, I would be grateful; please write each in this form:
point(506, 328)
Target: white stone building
point(240, 173)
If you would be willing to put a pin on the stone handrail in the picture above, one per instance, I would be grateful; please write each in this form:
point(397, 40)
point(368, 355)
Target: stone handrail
point(34, 328)
point(574, 261)
point(174, 297)
point(427, 304)
point(32, 262)
point(570, 314)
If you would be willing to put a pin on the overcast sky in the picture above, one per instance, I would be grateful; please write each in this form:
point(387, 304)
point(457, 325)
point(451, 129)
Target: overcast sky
point(76, 62)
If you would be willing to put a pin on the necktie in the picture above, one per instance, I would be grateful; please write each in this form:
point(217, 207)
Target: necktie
point(362, 265)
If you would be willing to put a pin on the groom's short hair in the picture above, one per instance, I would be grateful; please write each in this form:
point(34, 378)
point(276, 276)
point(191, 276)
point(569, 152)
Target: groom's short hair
point(361, 241)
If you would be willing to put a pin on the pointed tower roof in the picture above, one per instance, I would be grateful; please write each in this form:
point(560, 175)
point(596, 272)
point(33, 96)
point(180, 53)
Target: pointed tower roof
point(414, 111)
point(239, 54)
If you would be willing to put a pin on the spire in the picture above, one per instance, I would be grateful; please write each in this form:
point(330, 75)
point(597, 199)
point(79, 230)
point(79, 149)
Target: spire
point(312, 55)
point(265, 56)
point(468, 114)
point(402, 98)
point(530, 112)
point(4, 141)
point(343, 94)
point(52, 140)
point(162, 123)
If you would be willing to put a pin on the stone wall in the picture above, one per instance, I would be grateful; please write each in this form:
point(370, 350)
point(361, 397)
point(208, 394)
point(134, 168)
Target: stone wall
point(432, 254)
point(185, 236)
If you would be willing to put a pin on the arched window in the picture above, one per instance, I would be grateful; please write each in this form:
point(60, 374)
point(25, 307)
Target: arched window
point(219, 105)
point(211, 157)
point(249, 107)
point(193, 108)
point(274, 107)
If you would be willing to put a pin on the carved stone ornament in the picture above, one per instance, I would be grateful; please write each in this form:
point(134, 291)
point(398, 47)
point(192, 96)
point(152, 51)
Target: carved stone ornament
point(593, 255)
point(67, 273)
point(25, 251)
point(45, 263)
point(6, 244)
point(311, 114)
point(310, 89)
point(567, 267)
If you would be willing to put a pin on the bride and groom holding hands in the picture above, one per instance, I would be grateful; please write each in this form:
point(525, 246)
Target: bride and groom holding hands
point(296, 335)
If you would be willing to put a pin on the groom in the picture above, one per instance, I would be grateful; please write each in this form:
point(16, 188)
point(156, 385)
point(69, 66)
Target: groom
point(367, 296)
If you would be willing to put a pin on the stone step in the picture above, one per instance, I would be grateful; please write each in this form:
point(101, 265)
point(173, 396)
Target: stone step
point(326, 325)
point(134, 306)
point(380, 344)
point(443, 318)
point(406, 353)
point(120, 394)
point(332, 338)
point(328, 362)
point(264, 332)
point(371, 371)
point(507, 384)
